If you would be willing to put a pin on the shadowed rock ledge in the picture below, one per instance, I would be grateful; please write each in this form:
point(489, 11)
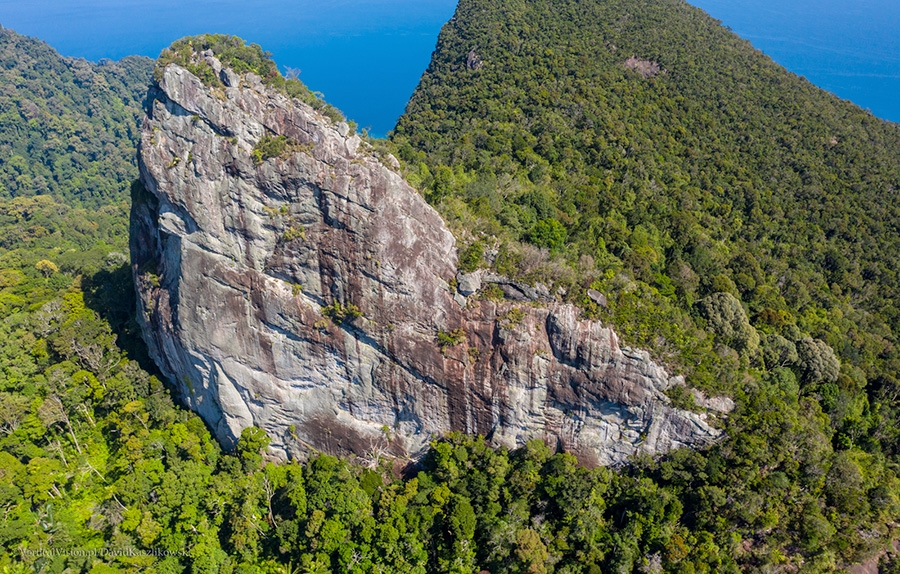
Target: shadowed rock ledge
point(310, 294)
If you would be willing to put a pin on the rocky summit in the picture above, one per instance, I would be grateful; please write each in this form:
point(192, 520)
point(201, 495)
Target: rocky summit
point(289, 278)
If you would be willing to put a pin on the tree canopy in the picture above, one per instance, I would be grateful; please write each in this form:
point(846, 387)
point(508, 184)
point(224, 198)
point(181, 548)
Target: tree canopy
point(68, 126)
point(737, 220)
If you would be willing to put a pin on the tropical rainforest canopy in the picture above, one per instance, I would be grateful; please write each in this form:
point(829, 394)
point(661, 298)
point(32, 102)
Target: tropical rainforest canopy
point(741, 223)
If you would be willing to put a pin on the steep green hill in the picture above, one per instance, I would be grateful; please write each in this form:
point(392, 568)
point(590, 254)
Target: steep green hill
point(68, 127)
point(641, 140)
point(741, 223)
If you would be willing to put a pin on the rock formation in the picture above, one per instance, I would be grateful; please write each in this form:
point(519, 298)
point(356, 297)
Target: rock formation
point(314, 294)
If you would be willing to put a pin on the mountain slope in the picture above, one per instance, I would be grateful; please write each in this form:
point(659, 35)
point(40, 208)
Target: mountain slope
point(95, 457)
point(68, 126)
point(731, 216)
point(652, 140)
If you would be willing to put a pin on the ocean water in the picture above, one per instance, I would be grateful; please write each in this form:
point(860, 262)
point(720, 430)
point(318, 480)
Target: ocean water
point(848, 47)
point(366, 56)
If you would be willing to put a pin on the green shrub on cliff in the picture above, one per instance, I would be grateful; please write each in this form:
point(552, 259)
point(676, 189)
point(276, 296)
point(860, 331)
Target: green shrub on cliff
point(341, 313)
point(236, 54)
point(451, 338)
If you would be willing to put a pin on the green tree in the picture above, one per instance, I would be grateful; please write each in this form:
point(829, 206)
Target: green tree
point(726, 318)
point(251, 446)
point(548, 233)
point(817, 361)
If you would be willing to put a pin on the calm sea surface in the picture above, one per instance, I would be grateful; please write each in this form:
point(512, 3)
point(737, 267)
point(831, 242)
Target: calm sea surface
point(366, 56)
point(848, 47)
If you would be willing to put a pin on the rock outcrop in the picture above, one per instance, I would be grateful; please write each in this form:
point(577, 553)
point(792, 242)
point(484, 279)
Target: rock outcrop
point(313, 294)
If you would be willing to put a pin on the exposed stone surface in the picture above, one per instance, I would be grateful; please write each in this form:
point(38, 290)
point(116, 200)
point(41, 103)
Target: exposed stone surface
point(473, 60)
point(243, 273)
point(597, 297)
point(469, 283)
point(717, 404)
point(646, 68)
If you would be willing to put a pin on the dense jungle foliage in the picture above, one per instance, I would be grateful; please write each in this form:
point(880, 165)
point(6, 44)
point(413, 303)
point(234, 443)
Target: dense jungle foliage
point(739, 221)
point(67, 126)
point(706, 169)
point(705, 254)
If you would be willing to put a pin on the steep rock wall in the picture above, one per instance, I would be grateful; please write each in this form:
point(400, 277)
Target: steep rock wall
point(308, 294)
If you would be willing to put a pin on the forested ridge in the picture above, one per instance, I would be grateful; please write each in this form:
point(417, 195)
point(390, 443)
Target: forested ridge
point(684, 204)
point(713, 171)
point(67, 126)
point(737, 220)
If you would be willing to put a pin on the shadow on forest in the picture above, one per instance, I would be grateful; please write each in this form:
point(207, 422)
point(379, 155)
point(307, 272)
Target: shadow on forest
point(110, 293)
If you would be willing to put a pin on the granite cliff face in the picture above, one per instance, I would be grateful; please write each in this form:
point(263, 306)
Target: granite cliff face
point(312, 294)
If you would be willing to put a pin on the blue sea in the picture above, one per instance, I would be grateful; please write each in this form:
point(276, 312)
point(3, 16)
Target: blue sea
point(848, 47)
point(366, 56)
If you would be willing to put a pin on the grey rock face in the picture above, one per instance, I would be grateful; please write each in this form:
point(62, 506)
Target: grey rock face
point(309, 294)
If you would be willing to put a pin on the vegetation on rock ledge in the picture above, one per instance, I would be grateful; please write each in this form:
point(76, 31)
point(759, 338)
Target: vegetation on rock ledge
point(236, 54)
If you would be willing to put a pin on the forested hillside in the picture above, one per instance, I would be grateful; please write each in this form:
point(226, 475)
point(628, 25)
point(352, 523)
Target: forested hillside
point(67, 126)
point(707, 168)
point(738, 221)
